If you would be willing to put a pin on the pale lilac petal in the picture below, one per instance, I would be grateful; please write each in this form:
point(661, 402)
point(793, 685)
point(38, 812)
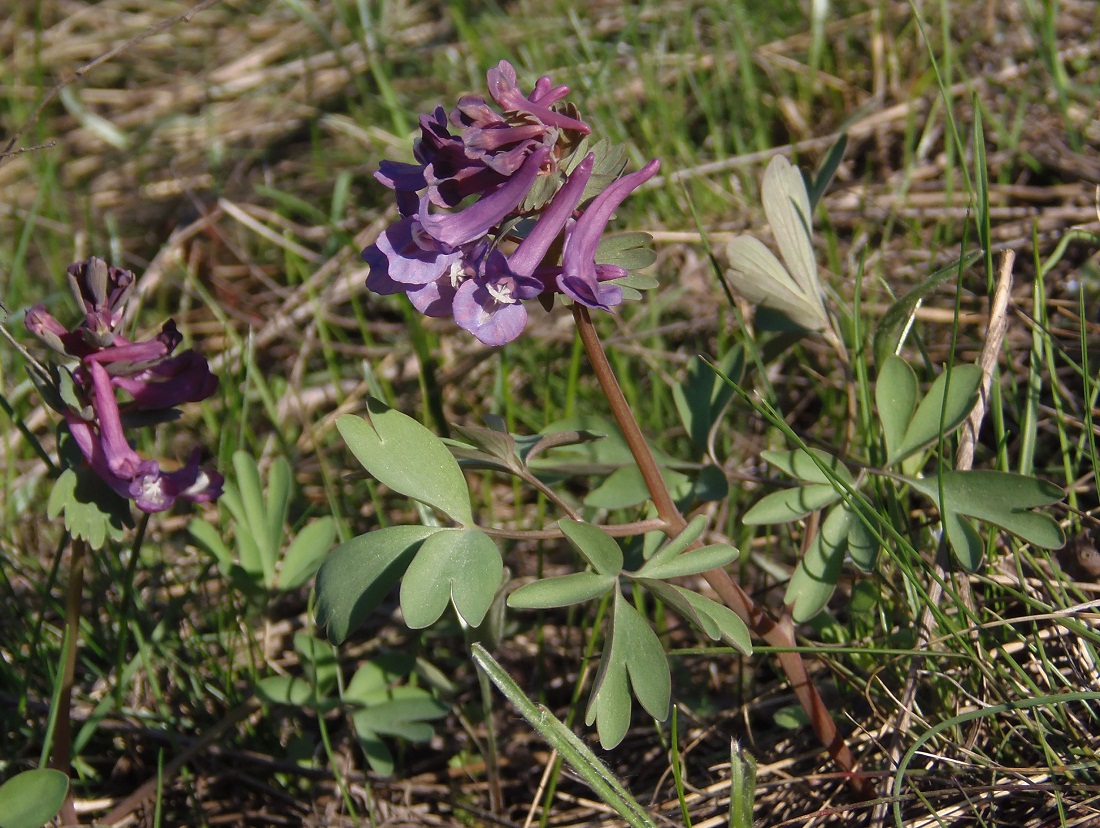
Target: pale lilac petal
point(434, 299)
point(505, 91)
point(552, 221)
point(155, 490)
point(395, 256)
point(493, 323)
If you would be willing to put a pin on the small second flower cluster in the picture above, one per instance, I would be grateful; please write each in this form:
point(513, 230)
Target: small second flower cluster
point(154, 380)
point(450, 259)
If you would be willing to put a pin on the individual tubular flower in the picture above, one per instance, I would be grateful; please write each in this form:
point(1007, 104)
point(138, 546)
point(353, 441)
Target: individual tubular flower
point(106, 450)
point(155, 381)
point(505, 91)
point(580, 277)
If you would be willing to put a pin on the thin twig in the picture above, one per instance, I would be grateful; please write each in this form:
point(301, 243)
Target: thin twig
point(776, 633)
point(617, 530)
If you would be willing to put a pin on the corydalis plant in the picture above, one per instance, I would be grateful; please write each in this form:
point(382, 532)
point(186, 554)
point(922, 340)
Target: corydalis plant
point(539, 202)
point(104, 471)
point(153, 380)
point(521, 225)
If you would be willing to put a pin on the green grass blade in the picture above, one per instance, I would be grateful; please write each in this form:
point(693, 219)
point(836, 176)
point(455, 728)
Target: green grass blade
point(575, 752)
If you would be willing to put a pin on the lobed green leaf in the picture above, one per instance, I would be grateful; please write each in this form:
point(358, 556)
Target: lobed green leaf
point(791, 504)
point(689, 563)
point(896, 393)
point(404, 455)
point(801, 464)
point(91, 510)
point(717, 621)
point(815, 578)
point(459, 566)
point(1001, 498)
point(625, 487)
point(563, 591)
point(950, 399)
point(682, 541)
point(32, 798)
point(594, 545)
point(307, 551)
point(633, 658)
point(357, 575)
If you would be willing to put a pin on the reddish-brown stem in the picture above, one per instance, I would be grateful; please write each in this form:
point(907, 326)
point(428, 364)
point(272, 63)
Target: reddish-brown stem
point(61, 752)
point(776, 633)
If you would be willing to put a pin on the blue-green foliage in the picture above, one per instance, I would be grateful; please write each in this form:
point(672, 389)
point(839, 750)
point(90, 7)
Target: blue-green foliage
point(258, 561)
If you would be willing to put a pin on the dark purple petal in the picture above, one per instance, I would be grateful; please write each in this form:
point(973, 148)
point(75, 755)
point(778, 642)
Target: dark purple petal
point(183, 378)
point(579, 279)
point(400, 176)
point(593, 295)
point(492, 322)
point(454, 229)
point(474, 179)
point(505, 91)
point(435, 134)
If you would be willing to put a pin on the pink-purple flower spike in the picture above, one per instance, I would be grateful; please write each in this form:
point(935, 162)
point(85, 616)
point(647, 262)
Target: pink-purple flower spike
point(146, 371)
point(454, 261)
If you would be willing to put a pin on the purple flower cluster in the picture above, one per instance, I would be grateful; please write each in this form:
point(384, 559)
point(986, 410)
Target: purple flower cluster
point(463, 202)
point(154, 380)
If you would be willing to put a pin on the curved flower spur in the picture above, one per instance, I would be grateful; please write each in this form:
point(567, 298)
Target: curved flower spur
point(534, 180)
